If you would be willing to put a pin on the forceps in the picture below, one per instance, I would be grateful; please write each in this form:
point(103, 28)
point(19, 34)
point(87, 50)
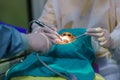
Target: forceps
point(81, 35)
point(40, 24)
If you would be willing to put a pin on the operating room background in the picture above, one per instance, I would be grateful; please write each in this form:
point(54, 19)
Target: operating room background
point(20, 12)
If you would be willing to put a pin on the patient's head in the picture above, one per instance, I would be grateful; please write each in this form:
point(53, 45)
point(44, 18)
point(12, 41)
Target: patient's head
point(66, 38)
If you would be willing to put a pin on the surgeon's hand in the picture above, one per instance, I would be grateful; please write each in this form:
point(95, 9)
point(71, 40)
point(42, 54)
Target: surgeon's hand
point(101, 35)
point(42, 39)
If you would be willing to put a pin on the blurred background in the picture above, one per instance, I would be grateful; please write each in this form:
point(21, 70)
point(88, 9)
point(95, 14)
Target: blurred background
point(20, 12)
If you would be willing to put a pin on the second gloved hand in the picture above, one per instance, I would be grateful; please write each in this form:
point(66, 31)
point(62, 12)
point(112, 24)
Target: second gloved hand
point(101, 35)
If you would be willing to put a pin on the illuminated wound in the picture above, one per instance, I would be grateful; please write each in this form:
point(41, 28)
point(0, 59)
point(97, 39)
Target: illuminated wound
point(66, 38)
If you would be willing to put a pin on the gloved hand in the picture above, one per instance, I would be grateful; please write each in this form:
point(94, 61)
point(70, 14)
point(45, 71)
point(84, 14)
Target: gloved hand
point(102, 36)
point(41, 39)
point(39, 42)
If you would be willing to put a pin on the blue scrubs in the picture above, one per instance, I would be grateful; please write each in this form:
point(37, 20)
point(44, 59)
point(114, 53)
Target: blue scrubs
point(11, 41)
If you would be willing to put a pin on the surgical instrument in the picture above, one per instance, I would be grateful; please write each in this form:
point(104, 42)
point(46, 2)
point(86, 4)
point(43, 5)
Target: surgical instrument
point(41, 24)
point(80, 35)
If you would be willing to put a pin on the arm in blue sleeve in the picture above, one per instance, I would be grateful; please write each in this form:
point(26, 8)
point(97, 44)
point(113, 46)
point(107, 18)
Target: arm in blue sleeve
point(11, 41)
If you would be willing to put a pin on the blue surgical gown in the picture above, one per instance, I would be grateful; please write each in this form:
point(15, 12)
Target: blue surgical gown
point(11, 41)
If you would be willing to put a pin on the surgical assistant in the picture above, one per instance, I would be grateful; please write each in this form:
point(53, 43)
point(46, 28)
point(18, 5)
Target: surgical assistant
point(101, 17)
point(87, 13)
point(12, 42)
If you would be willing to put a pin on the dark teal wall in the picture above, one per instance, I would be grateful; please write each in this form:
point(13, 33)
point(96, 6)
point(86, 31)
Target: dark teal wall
point(14, 12)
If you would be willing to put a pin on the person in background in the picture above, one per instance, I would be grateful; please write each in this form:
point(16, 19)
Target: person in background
point(102, 20)
point(12, 42)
